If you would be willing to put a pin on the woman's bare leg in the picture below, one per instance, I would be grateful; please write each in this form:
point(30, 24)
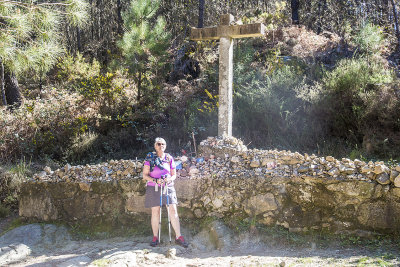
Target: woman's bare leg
point(155, 219)
point(173, 214)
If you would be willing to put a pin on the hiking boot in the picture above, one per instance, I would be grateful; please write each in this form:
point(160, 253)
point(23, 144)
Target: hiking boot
point(154, 242)
point(181, 242)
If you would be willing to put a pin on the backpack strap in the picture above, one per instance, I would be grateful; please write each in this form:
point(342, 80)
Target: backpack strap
point(154, 160)
point(151, 157)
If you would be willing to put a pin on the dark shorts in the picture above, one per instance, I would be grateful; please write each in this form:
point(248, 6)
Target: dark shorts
point(152, 198)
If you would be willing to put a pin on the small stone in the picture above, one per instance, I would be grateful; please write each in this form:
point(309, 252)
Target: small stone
point(303, 169)
point(334, 171)
point(396, 192)
point(393, 174)
point(359, 162)
point(265, 161)
point(171, 253)
point(255, 163)
point(396, 181)
point(397, 168)
point(193, 171)
point(330, 158)
point(217, 203)
point(41, 174)
point(183, 173)
point(84, 187)
point(235, 159)
point(380, 169)
point(348, 170)
point(47, 169)
point(198, 213)
point(383, 178)
point(67, 167)
point(366, 169)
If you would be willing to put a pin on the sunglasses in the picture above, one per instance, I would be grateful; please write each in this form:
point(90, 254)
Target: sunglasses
point(160, 144)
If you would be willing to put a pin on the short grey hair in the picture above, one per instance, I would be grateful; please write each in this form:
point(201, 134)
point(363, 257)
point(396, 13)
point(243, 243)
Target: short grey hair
point(160, 140)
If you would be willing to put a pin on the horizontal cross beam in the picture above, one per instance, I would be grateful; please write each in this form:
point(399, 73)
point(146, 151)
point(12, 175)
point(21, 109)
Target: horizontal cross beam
point(232, 31)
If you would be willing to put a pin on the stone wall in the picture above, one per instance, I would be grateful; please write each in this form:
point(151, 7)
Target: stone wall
point(299, 192)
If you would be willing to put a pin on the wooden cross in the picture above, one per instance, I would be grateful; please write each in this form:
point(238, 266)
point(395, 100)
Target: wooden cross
point(225, 33)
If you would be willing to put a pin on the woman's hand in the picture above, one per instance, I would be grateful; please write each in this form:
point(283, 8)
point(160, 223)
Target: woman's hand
point(168, 178)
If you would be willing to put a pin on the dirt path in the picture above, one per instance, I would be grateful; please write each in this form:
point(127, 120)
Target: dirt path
point(50, 245)
point(124, 252)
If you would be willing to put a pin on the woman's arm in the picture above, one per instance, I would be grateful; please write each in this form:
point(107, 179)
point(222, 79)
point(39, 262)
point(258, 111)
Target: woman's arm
point(146, 174)
point(173, 175)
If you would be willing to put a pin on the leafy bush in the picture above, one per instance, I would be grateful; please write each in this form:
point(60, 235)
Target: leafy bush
point(73, 68)
point(361, 105)
point(356, 76)
point(369, 39)
point(351, 88)
point(11, 179)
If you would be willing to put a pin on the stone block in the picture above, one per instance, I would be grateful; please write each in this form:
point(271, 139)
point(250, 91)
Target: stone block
point(259, 204)
point(135, 204)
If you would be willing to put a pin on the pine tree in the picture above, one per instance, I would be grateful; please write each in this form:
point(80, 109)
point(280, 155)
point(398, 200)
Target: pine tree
point(144, 42)
point(30, 38)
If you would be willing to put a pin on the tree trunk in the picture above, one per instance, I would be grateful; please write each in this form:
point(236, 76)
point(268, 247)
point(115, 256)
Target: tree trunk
point(13, 95)
point(3, 92)
point(120, 22)
point(139, 86)
point(321, 14)
point(201, 14)
point(91, 19)
point(295, 4)
point(396, 23)
point(78, 39)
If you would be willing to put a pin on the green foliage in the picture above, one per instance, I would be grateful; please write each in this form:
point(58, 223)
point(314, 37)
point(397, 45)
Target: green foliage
point(211, 105)
point(73, 68)
point(144, 42)
point(40, 127)
point(30, 32)
point(355, 76)
point(11, 178)
point(272, 19)
point(102, 90)
point(4, 211)
point(352, 89)
point(267, 103)
point(369, 39)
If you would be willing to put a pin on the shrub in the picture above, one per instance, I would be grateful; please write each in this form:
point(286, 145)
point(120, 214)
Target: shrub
point(355, 76)
point(72, 69)
point(103, 93)
point(268, 108)
point(11, 178)
point(369, 39)
point(41, 127)
point(350, 89)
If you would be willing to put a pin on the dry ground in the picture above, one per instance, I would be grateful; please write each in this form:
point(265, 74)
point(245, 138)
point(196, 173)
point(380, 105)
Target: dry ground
point(246, 250)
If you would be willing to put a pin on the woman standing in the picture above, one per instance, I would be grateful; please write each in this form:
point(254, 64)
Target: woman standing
point(160, 164)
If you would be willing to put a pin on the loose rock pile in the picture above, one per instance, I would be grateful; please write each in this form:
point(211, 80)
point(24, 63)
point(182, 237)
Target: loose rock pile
point(107, 171)
point(222, 157)
point(229, 154)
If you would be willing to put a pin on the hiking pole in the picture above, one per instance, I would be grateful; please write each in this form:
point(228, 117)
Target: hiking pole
point(169, 219)
point(159, 224)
